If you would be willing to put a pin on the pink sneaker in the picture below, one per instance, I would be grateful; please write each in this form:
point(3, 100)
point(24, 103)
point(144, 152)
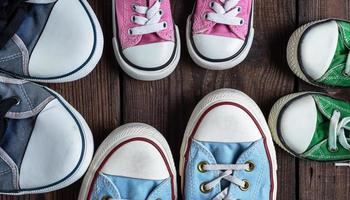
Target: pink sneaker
point(220, 32)
point(146, 41)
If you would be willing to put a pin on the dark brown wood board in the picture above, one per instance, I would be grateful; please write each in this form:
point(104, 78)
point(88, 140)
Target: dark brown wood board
point(108, 97)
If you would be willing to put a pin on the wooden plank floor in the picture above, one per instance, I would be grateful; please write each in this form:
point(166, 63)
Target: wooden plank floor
point(108, 98)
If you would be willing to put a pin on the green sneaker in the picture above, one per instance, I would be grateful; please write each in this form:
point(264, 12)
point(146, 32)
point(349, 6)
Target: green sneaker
point(318, 53)
point(312, 125)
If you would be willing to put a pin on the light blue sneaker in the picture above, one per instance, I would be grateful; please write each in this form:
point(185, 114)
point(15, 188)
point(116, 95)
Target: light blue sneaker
point(135, 163)
point(227, 150)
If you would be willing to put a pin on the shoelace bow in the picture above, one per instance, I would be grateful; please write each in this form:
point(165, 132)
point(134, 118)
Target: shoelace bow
point(5, 106)
point(337, 129)
point(12, 13)
point(226, 172)
point(149, 22)
point(225, 13)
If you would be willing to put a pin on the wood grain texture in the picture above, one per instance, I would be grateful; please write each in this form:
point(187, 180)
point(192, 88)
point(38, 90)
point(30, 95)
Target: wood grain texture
point(108, 97)
point(321, 180)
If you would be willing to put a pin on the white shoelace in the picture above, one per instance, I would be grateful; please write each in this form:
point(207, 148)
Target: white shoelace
point(150, 23)
point(225, 13)
point(226, 173)
point(337, 133)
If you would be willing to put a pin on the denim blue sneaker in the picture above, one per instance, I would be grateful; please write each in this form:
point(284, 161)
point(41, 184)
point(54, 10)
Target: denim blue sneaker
point(227, 150)
point(134, 162)
point(45, 144)
point(49, 40)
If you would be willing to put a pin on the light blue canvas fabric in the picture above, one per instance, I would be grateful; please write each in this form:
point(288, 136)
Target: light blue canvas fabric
point(122, 188)
point(228, 153)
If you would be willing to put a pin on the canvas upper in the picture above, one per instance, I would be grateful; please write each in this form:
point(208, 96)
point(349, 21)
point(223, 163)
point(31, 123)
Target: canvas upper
point(227, 154)
point(322, 130)
point(145, 33)
point(45, 144)
point(220, 28)
point(323, 53)
point(132, 163)
point(49, 40)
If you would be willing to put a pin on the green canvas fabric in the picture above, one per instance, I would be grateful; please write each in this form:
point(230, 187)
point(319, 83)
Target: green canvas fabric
point(318, 148)
point(335, 74)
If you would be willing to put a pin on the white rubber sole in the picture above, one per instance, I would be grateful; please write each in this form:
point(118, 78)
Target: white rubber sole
point(218, 65)
point(95, 57)
point(119, 135)
point(142, 74)
point(274, 114)
point(292, 51)
point(228, 95)
point(86, 159)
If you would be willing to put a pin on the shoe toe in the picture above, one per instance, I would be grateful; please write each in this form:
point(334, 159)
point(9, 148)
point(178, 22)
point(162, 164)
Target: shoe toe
point(217, 47)
point(54, 150)
point(150, 56)
point(317, 48)
point(137, 159)
point(66, 43)
point(298, 123)
point(227, 123)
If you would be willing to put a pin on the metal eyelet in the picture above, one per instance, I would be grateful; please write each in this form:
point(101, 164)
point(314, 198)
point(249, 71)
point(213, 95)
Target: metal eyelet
point(133, 6)
point(211, 4)
point(17, 99)
point(333, 150)
point(201, 165)
point(160, 12)
point(203, 189)
point(205, 15)
point(251, 166)
point(344, 73)
point(241, 22)
point(133, 18)
point(165, 24)
point(106, 198)
point(239, 9)
point(245, 187)
point(130, 31)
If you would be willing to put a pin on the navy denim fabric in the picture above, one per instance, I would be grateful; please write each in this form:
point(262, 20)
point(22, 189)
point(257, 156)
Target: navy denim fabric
point(5, 176)
point(34, 21)
point(20, 121)
point(16, 137)
point(11, 56)
point(30, 95)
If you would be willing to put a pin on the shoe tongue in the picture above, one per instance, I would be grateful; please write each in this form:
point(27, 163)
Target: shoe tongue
point(147, 3)
point(227, 153)
point(222, 30)
point(326, 106)
point(150, 38)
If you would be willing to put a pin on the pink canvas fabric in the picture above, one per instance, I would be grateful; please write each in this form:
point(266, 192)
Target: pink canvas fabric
point(202, 26)
point(124, 13)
